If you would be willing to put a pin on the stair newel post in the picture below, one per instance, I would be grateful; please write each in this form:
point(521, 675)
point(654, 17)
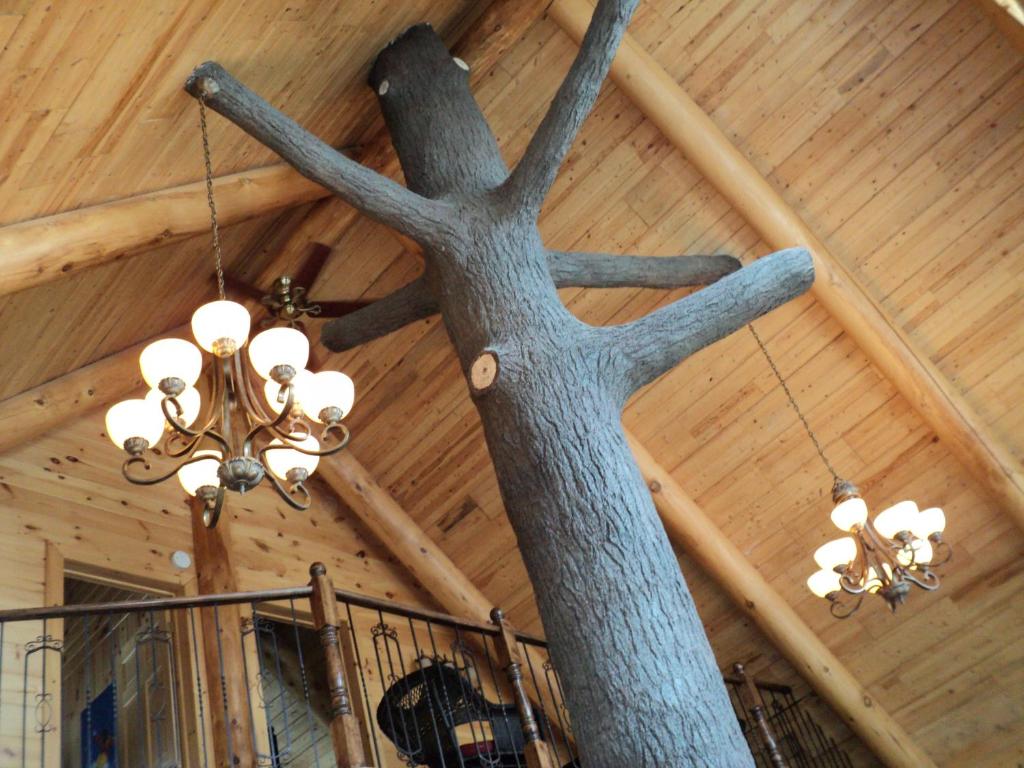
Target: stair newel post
point(758, 714)
point(538, 755)
point(345, 729)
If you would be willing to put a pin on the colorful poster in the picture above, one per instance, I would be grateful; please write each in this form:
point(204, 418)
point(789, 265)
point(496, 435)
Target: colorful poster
point(99, 730)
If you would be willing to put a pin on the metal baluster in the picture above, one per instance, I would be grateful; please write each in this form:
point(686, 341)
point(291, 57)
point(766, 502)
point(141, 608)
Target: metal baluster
point(371, 721)
point(438, 659)
point(114, 647)
point(223, 685)
point(248, 687)
point(286, 753)
point(140, 702)
point(459, 647)
point(386, 681)
point(88, 689)
point(305, 687)
point(430, 699)
point(156, 716)
point(199, 687)
point(556, 700)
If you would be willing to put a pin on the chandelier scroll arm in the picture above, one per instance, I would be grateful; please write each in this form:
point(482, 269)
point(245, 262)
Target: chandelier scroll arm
point(287, 440)
point(194, 435)
point(930, 581)
point(270, 426)
point(285, 493)
point(132, 461)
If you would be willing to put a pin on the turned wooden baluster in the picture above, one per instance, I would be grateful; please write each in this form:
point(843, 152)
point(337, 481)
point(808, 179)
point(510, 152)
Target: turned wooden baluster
point(345, 730)
point(538, 754)
point(757, 712)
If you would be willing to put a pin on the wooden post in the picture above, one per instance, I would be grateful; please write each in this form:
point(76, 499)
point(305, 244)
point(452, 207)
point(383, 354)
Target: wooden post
point(228, 703)
point(925, 388)
point(757, 713)
point(345, 731)
point(538, 753)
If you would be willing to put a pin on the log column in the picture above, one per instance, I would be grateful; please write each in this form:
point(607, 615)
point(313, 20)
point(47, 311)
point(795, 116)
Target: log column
point(228, 702)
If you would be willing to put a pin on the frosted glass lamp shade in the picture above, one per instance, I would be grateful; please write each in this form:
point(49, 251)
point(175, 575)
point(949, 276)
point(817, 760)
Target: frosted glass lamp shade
point(300, 385)
point(221, 327)
point(899, 517)
point(850, 514)
point(171, 358)
point(838, 552)
point(929, 521)
point(189, 401)
point(822, 583)
point(199, 473)
point(134, 418)
point(278, 346)
point(327, 389)
point(281, 460)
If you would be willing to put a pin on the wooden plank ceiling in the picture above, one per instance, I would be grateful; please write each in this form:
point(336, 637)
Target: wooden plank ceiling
point(893, 127)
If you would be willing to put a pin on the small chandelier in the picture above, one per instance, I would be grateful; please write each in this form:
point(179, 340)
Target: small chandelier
point(260, 410)
point(900, 547)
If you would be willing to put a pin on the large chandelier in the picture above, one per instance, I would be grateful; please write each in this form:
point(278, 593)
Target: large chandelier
point(901, 547)
point(260, 407)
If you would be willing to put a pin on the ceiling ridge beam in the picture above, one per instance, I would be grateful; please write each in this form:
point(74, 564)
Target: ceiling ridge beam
point(657, 95)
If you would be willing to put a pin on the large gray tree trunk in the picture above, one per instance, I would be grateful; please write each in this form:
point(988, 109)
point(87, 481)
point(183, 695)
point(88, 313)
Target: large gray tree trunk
point(640, 680)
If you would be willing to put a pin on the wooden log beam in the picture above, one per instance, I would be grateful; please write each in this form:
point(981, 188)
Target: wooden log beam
point(693, 532)
point(41, 250)
point(927, 390)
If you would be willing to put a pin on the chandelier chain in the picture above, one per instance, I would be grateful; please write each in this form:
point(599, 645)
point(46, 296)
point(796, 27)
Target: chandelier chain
point(792, 402)
point(209, 197)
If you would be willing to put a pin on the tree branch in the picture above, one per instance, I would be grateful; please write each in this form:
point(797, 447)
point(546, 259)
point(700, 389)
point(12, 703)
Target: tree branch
point(659, 341)
point(529, 183)
point(377, 196)
point(602, 270)
point(408, 304)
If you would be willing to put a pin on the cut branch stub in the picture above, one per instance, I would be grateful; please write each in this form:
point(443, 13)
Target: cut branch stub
point(484, 372)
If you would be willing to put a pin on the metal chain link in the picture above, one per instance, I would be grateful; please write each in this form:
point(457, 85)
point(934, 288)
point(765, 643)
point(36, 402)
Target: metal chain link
point(209, 196)
point(792, 401)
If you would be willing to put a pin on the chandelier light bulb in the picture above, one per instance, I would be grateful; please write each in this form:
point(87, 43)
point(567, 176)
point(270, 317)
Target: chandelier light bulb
point(838, 552)
point(221, 327)
point(199, 473)
point(929, 521)
point(850, 514)
point(328, 390)
point(171, 359)
point(189, 401)
point(896, 519)
point(132, 419)
point(274, 347)
point(824, 582)
point(281, 460)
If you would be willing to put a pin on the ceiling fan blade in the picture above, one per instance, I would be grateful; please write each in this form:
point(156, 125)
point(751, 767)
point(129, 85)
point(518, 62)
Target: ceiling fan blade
point(338, 308)
point(237, 285)
point(306, 275)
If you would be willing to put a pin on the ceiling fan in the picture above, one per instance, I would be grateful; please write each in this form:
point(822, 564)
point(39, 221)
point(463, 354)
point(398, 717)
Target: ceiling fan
point(287, 300)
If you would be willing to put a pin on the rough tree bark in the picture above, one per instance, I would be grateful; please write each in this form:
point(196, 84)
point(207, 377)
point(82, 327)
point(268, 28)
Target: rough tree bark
point(640, 680)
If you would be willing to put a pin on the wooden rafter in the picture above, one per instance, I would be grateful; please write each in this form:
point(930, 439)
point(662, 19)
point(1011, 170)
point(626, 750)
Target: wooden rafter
point(925, 388)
